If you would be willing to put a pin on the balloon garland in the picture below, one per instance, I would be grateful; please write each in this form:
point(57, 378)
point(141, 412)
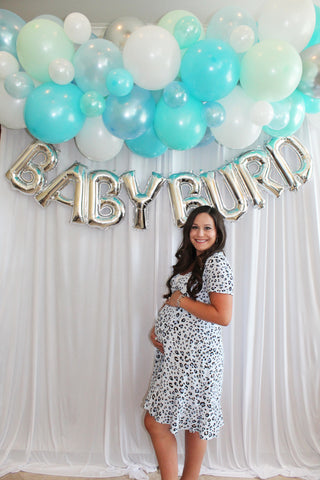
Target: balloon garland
point(171, 85)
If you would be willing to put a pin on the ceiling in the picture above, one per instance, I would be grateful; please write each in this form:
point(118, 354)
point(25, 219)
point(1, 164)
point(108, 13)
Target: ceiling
point(105, 11)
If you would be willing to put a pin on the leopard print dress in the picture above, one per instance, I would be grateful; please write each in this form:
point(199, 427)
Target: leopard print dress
point(186, 383)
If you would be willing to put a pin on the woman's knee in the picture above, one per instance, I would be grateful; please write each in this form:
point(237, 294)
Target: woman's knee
point(153, 427)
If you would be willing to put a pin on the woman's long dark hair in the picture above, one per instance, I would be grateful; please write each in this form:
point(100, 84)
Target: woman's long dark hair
point(186, 254)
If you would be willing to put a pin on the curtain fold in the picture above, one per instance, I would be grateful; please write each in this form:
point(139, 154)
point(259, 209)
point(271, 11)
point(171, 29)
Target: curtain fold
point(77, 305)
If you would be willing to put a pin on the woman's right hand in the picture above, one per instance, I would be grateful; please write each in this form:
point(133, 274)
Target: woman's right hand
point(155, 341)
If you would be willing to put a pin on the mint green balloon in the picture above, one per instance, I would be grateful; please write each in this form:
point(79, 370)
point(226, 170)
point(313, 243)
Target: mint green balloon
point(271, 70)
point(39, 42)
point(170, 19)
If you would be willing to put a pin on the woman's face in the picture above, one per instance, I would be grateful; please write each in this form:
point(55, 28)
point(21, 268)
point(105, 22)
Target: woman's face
point(203, 232)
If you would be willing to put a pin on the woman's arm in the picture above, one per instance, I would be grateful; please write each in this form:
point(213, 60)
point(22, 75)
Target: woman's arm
point(219, 310)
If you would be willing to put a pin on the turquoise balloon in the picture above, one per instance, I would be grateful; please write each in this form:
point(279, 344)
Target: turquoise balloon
point(39, 42)
point(147, 145)
point(52, 112)
point(119, 82)
point(130, 116)
point(316, 33)
point(92, 104)
point(18, 85)
point(180, 128)
point(93, 61)
point(10, 26)
point(210, 69)
point(288, 116)
point(312, 104)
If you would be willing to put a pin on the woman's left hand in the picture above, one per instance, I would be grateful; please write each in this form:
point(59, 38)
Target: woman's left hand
point(172, 301)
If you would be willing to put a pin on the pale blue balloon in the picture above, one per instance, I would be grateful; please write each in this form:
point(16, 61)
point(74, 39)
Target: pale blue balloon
point(147, 145)
point(10, 26)
point(226, 19)
point(52, 112)
point(175, 94)
point(214, 114)
point(210, 69)
point(93, 61)
point(119, 82)
point(288, 116)
point(130, 116)
point(19, 85)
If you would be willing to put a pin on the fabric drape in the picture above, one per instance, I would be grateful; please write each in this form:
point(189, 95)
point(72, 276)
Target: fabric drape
point(77, 304)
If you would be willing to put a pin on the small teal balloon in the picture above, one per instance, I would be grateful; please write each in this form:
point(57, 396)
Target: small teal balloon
point(180, 128)
point(52, 112)
point(210, 69)
point(19, 85)
point(187, 31)
point(207, 139)
point(312, 104)
point(147, 145)
point(175, 94)
point(130, 116)
point(289, 114)
point(214, 114)
point(10, 26)
point(92, 104)
point(119, 82)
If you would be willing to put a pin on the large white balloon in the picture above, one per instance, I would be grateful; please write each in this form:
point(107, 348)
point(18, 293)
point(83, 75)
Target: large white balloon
point(237, 130)
point(289, 20)
point(12, 110)
point(96, 142)
point(152, 56)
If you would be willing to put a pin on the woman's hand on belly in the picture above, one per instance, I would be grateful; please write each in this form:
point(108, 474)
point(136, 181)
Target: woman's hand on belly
point(155, 341)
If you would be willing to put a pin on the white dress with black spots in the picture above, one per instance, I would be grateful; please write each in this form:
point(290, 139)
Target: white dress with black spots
point(186, 384)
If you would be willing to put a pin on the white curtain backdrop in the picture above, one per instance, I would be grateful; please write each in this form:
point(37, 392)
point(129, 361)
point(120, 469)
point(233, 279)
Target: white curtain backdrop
point(77, 304)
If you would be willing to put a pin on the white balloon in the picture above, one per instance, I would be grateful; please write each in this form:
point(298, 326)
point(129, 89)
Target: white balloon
point(96, 142)
point(261, 113)
point(61, 71)
point(242, 38)
point(237, 130)
point(152, 56)
point(12, 110)
point(289, 20)
point(8, 64)
point(77, 27)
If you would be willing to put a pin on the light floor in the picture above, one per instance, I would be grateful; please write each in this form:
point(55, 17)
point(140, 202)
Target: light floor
point(153, 476)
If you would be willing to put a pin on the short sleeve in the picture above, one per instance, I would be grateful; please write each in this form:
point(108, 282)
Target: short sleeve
point(217, 275)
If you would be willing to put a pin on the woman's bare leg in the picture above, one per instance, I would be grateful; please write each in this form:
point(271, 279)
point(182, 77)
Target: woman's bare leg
point(195, 448)
point(165, 447)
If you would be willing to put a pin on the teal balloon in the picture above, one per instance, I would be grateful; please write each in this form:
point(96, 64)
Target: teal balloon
point(119, 82)
point(130, 116)
point(52, 112)
point(92, 104)
point(316, 33)
point(312, 104)
point(180, 128)
point(210, 69)
point(18, 85)
point(10, 26)
point(93, 61)
point(147, 145)
point(288, 117)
